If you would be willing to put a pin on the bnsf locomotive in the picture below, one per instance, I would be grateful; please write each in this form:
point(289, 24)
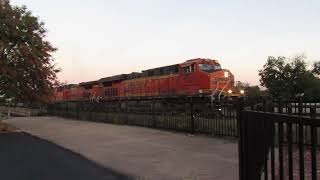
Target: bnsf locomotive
point(192, 78)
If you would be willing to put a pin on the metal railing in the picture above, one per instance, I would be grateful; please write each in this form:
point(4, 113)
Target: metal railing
point(281, 144)
point(278, 139)
point(192, 115)
point(19, 111)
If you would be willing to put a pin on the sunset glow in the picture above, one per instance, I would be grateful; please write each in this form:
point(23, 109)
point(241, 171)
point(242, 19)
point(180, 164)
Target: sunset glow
point(101, 38)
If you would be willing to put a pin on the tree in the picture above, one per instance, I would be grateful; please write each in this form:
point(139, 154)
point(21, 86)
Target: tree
point(316, 68)
point(289, 78)
point(271, 76)
point(250, 90)
point(27, 72)
point(253, 91)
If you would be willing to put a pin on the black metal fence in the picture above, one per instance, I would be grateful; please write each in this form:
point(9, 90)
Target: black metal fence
point(192, 115)
point(297, 107)
point(278, 139)
point(280, 144)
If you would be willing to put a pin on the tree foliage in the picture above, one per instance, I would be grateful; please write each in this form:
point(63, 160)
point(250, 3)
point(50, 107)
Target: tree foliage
point(316, 68)
point(27, 72)
point(252, 91)
point(284, 77)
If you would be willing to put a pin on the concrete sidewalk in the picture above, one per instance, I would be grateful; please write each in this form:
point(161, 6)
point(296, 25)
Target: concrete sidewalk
point(140, 152)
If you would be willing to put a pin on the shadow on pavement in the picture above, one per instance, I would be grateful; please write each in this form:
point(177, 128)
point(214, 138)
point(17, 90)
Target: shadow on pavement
point(25, 157)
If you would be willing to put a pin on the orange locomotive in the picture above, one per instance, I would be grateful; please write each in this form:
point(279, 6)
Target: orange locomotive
point(191, 78)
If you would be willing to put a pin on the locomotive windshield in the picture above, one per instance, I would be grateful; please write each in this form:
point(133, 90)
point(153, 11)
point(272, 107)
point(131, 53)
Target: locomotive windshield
point(209, 67)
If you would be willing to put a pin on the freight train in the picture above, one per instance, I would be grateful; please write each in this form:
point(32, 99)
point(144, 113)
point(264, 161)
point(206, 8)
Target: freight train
point(195, 77)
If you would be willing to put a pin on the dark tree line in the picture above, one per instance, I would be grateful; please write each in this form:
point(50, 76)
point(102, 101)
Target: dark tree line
point(27, 70)
point(291, 77)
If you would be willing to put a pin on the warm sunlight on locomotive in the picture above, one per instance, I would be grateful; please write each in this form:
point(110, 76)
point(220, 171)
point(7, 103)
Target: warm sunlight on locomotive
point(195, 77)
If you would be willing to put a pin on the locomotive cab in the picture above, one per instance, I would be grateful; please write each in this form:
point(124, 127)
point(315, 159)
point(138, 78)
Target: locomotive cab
point(205, 76)
point(221, 81)
point(209, 67)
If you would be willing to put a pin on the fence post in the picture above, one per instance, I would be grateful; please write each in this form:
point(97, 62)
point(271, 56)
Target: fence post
point(312, 112)
point(192, 117)
point(107, 110)
point(289, 107)
point(56, 109)
point(67, 110)
point(241, 130)
point(280, 110)
point(264, 105)
point(300, 107)
point(9, 113)
point(314, 143)
point(126, 111)
point(301, 142)
point(119, 121)
point(77, 110)
point(153, 114)
point(91, 110)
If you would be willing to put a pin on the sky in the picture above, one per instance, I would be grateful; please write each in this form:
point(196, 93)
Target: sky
point(100, 38)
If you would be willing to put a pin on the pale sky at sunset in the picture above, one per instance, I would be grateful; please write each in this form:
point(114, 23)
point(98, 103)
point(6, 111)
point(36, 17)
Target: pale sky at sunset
point(99, 38)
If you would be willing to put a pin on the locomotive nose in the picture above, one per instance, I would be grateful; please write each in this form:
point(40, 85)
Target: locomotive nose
point(221, 79)
point(221, 75)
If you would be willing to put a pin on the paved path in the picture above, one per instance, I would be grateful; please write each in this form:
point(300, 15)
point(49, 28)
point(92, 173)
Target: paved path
point(140, 152)
point(24, 157)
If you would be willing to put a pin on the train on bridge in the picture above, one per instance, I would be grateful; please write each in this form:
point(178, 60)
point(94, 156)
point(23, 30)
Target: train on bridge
point(195, 77)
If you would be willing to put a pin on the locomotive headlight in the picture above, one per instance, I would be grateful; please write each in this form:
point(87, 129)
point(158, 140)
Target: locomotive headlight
point(226, 74)
point(229, 91)
point(241, 91)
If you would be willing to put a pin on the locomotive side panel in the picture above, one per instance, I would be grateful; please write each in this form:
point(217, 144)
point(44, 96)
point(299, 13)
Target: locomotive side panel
point(77, 93)
point(193, 77)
